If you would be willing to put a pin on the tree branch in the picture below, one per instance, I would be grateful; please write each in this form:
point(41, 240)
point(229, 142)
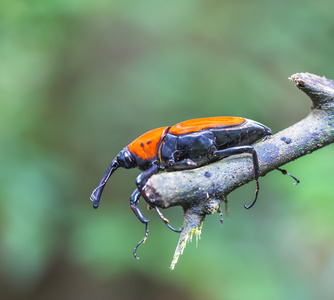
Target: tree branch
point(200, 191)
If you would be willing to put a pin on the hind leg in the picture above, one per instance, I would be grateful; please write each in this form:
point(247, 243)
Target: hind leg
point(239, 150)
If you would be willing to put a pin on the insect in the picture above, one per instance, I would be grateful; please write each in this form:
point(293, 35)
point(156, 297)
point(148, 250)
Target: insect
point(186, 145)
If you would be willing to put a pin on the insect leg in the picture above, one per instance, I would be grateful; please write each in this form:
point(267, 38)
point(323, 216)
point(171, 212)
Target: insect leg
point(141, 182)
point(141, 242)
point(284, 172)
point(166, 221)
point(239, 150)
point(134, 200)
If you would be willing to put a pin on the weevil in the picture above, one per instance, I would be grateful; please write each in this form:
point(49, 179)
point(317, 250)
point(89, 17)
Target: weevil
point(186, 145)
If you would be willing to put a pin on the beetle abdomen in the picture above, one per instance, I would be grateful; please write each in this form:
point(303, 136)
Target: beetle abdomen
point(189, 144)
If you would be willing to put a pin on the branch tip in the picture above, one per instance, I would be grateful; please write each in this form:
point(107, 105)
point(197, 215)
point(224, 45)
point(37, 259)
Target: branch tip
point(319, 89)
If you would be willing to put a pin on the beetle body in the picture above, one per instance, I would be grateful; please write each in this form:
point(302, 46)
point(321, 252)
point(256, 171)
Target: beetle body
point(186, 145)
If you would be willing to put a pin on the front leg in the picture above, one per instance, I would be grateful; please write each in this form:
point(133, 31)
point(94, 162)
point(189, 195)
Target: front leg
point(134, 200)
point(143, 178)
point(141, 181)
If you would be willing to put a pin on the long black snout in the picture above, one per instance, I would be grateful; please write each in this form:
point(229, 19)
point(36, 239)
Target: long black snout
point(96, 195)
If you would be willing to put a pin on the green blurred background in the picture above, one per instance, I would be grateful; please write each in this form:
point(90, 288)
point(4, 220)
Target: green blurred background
point(79, 80)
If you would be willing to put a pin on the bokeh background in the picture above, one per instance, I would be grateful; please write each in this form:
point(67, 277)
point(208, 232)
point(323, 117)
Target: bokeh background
point(79, 80)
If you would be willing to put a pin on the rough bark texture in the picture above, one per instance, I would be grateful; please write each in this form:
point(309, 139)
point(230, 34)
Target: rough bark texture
point(200, 191)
